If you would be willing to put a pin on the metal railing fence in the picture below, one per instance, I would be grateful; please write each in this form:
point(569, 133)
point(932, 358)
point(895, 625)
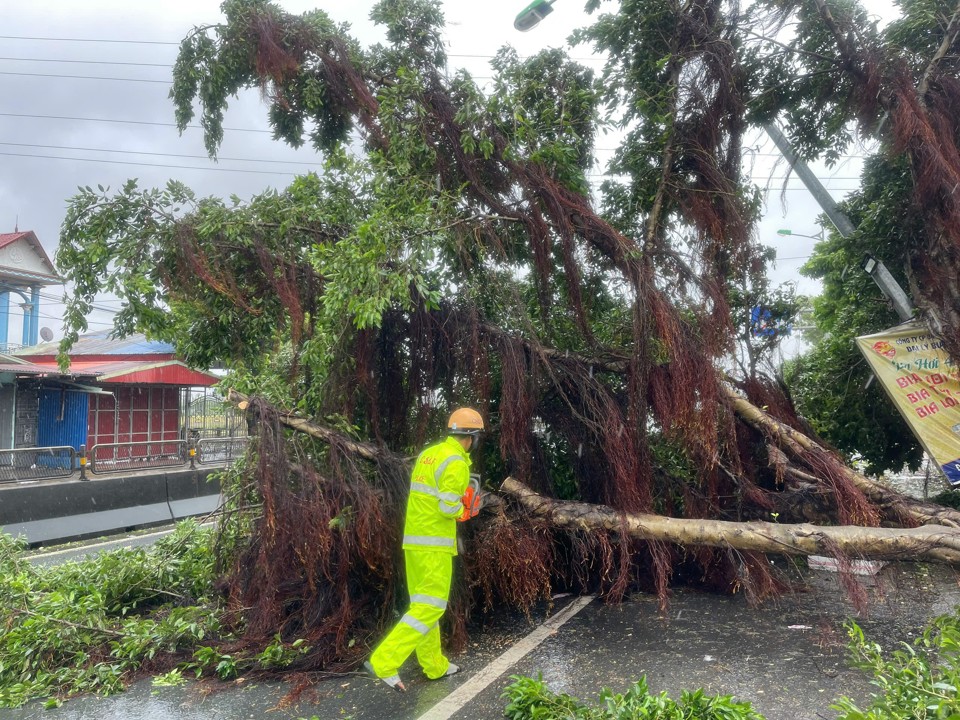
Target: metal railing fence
point(218, 450)
point(131, 456)
point(51, 463)
point(38, 463)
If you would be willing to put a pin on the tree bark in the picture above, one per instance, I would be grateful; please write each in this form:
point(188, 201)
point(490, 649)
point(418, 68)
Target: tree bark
point(795, 444)
point(367, 451)
point(934, 543)
point(800, 500)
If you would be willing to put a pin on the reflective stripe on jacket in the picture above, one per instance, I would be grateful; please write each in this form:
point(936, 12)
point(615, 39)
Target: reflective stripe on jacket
point(437, 484)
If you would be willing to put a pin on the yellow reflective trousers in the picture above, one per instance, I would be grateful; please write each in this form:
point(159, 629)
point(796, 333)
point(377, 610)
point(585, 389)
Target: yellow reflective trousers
point(439, 479)
point(428, 578)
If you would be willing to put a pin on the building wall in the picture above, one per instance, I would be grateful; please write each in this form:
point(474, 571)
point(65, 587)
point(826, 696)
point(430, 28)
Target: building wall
point(25, 426)
point(134, 414)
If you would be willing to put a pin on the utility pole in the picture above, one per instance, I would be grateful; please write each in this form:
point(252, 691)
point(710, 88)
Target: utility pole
point(876, 269)
point(820, 194)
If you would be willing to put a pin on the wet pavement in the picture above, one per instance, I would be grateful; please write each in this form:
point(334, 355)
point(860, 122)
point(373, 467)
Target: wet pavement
point(787, 657)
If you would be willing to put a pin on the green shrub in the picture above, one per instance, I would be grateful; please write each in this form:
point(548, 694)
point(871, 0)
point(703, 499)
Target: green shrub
point(919, 681)
point(948, 498)
point(531, 699)
point(88, 625)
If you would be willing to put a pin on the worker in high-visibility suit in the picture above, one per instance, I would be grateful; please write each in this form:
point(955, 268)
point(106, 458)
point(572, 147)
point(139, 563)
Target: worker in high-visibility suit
point(439, 496)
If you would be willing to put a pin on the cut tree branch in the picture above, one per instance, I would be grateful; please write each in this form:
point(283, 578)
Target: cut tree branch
point(367, 451)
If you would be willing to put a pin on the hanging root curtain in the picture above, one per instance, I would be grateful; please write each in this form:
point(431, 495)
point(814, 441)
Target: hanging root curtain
point(322, 557)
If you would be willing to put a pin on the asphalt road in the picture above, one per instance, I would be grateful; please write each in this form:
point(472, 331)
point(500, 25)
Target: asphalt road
point(75, 551)
point(788, 658)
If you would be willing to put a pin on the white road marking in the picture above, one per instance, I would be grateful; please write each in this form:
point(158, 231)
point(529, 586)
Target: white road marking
point(453, 702)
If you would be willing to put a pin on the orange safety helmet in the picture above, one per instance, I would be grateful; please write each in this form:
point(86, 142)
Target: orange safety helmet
point(465, 421)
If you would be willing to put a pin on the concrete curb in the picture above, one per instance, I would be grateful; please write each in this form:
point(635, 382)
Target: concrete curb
point(73, 510)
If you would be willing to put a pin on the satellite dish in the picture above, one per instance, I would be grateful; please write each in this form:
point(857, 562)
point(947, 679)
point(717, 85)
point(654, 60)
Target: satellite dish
point(46, 334)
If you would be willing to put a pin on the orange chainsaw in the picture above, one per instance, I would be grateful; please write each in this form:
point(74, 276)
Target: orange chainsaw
point(471, 500)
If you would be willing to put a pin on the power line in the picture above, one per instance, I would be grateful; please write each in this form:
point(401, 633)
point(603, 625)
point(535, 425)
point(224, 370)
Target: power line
point(269, 172)
point(138, 152)
point(88, 62)
point(313, 164)
point(127, 79)
point(92, 40)
point(258, 130)
point(84, 77)
point(168, 42)
point(156, 165)
point(748, 177)
point(127, 122)
point(170, 65)
point(60, 301)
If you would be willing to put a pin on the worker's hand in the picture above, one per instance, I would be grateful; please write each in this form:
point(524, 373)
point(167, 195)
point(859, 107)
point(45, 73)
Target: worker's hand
point(471, 503)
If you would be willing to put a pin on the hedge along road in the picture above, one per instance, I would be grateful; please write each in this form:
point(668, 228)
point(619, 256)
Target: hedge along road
point(788, 658)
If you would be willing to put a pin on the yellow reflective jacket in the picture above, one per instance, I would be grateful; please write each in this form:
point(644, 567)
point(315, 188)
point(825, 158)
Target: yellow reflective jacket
point(439, 480)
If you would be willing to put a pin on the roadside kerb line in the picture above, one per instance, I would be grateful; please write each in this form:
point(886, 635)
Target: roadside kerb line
point(455, 701)
point(94, 546)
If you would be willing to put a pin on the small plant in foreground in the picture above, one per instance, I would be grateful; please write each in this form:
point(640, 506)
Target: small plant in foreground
point(918, 681)
point(531, 699)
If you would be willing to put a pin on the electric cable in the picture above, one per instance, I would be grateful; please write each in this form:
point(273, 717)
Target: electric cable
point(128, 122)
point(142, 152)
point(156, 165)
point(85, 77)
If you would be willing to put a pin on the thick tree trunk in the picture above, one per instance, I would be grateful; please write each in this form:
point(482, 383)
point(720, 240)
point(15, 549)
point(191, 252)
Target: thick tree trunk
point(932, 543)
point(897, 507)
point(941, 544)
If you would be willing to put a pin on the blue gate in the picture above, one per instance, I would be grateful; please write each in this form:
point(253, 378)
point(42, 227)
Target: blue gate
point(62, 420)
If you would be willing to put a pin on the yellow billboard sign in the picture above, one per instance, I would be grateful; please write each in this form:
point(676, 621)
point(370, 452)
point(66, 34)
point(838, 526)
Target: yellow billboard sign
point(924, 384)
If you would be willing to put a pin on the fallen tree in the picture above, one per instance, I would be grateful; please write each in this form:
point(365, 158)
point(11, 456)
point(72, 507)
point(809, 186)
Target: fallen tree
point(460, 259)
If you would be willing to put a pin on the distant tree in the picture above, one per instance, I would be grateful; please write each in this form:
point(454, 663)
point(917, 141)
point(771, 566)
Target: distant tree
point(825, 68)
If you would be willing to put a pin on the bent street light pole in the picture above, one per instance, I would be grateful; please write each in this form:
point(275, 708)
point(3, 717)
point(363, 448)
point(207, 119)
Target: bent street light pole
point(881, 276)
point(820, 194)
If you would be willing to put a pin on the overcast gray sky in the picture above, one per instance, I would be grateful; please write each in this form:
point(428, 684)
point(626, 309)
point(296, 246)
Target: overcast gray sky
point(84, 88)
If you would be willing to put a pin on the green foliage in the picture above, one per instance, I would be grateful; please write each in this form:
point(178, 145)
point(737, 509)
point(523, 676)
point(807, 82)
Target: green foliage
point(192, 272)
point(89, 625)
point(215, 66)
point(766, 316)
point(226, 666)
point(546, 105)
point(948, 498)
point(531, 699)
point(279, 654)
point(174, 678)
point(805, 88)
point(918, 681)
point(828, 381)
